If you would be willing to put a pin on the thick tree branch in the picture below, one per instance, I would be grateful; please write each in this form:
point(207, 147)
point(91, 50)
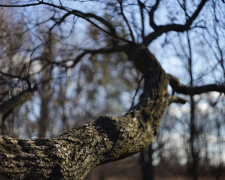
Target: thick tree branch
point(188, 90)
point(75, 153)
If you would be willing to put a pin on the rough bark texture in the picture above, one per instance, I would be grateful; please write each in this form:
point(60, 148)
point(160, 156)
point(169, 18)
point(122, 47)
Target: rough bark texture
point(75, 153)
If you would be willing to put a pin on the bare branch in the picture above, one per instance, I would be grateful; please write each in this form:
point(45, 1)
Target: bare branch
point(77, 13)
point(25, 78)
point(117, 48)
point(151, 15)
point(188, 90)
point(141, 7)
point(23, 5)
point(8, 106)
point(159, 30)
point(125, 19)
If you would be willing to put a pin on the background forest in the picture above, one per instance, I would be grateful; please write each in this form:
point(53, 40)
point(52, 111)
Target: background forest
point(36, 47)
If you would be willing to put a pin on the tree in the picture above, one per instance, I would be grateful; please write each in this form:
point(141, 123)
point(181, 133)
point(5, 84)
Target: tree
point(76, 152)
point(186, 56)
point(186, 51)
point(11, 41)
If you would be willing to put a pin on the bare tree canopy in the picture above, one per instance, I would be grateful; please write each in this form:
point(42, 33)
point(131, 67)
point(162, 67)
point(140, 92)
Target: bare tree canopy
point(126, 27)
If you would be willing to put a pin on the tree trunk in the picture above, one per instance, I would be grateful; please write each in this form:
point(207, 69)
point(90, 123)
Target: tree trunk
point(193, 133)
point(194, 152)
point(76, 152)
point(147, 164)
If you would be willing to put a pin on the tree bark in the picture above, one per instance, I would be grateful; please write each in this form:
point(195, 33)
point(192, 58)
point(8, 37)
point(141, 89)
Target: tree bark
point(77, 152)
